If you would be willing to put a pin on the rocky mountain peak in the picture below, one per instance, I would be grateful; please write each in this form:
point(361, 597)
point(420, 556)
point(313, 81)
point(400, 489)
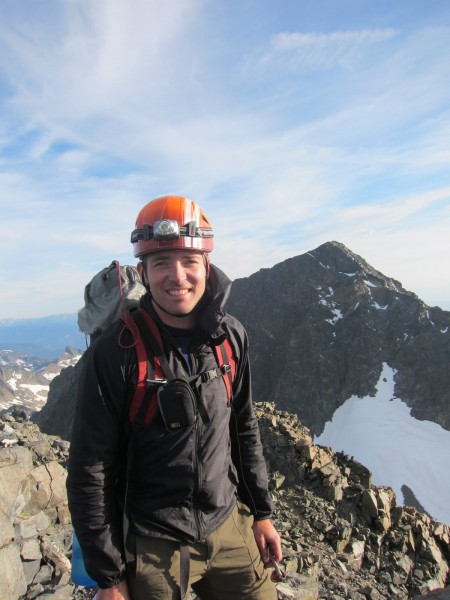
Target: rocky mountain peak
point(337, 258)
point(322, 324)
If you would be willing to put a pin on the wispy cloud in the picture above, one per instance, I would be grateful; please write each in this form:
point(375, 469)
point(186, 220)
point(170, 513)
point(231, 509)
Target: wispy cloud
point(99, 63)
point(287, 139)
point(321, 50)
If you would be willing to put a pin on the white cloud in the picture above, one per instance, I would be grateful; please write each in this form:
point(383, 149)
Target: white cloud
point(324, 50)
point(104, 107)
point(394, 211)
point(99, 62)
point(317, 50)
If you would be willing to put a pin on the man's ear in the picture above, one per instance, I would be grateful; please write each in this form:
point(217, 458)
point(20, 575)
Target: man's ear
point(141, 271)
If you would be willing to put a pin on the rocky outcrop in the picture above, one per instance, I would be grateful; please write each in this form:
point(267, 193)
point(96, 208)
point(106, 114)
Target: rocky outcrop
point(56, 416)
point(36, 531)
point(342, 537)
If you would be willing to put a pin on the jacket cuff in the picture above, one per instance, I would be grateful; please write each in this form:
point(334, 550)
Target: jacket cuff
point(262, 516)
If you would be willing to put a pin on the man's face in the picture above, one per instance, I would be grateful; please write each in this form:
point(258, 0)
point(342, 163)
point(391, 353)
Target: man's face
point(177, 281)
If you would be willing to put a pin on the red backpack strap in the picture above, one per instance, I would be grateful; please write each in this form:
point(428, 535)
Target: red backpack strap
point(142, 388)
point(225, 356)
point(152, 327)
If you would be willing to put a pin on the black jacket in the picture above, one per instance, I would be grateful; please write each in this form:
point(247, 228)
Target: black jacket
point(181, 484)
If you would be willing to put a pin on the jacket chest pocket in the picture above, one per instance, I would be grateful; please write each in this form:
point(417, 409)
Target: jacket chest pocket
point(177, 403)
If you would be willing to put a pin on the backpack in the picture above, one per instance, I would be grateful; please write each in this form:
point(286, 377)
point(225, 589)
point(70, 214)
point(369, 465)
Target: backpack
point(110, 292)
point(114, 293)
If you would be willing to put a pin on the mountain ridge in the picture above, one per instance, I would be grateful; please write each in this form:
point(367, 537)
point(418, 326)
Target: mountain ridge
point(25, 380)
point(322, 324)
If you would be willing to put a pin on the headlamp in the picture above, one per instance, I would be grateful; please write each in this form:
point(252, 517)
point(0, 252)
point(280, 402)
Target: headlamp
point(166, 230)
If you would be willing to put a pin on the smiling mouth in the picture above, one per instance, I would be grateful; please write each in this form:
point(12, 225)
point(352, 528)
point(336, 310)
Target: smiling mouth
point(182, 292)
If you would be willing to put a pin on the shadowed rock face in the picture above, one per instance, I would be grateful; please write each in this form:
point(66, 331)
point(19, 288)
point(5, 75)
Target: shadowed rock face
point(342, 537)
point(322, 324)
point(56, 416)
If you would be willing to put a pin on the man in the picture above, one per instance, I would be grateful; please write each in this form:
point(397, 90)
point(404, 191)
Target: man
point(196, 496)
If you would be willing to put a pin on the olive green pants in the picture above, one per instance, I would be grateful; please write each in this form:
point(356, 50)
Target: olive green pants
point(225, 566)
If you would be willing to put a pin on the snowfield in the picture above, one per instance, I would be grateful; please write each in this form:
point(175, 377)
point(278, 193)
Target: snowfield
point(380, 433)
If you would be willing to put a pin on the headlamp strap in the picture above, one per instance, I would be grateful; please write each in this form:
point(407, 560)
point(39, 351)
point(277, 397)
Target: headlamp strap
point(191, 229)
point(149, 232)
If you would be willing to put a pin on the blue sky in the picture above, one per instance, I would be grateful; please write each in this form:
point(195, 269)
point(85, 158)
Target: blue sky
point(292, 123)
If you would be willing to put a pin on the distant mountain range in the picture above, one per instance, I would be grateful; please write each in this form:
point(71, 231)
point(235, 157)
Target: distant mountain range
point(25, 381)
point(46, 337)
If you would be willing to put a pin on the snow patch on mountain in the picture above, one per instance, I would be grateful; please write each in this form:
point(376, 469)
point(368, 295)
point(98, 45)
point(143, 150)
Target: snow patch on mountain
point(398, 449)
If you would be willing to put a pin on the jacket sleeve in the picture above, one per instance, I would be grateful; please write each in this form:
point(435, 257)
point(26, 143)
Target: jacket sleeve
point(98, 443)
point(247, 449)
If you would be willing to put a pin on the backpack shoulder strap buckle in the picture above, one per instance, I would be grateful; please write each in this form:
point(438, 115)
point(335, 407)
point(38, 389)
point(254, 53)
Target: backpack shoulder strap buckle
point(224, 369)
point(209, 375)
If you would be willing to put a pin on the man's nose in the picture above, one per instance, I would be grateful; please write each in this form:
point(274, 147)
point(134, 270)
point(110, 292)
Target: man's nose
point(177, 271)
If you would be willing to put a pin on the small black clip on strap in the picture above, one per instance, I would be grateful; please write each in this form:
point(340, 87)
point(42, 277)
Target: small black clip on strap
point(213, 373)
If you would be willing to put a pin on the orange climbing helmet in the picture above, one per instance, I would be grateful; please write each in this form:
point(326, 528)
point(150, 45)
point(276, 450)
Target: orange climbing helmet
point(171, 222)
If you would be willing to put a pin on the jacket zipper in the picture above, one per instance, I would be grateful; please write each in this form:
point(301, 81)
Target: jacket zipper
point(197, 473)
point(196, 462)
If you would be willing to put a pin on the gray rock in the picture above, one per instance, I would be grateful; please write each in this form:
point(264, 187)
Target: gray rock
point(343, 538)
point(13, 582)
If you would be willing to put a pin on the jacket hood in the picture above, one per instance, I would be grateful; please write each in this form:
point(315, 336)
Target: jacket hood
point(218, 290)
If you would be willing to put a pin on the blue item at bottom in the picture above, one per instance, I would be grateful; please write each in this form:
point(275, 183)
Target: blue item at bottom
point(79, 574)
